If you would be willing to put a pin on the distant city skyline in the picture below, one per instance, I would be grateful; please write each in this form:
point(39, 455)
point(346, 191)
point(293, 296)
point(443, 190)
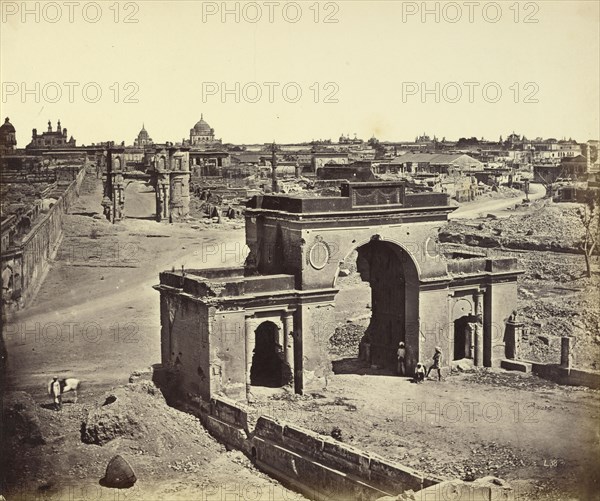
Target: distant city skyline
point(380, 70)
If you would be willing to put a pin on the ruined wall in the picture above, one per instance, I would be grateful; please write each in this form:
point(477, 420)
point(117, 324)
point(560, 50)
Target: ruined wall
point(227, 354)
point(499, 301)
point(31, 258)
point(556, 373)
point(433, 328)
point(318, 466)
point(185, 343)
point(317, 325)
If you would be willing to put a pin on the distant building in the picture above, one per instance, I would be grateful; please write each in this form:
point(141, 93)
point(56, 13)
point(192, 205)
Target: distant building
point(143, 139)
point(51, 139)
point(348, 140)
point(416, 163)
point(319, 159)
point(355, 171)
point(202, 135)
point(8, 138)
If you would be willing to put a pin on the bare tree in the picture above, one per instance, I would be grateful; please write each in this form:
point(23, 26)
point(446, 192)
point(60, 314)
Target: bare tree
point(590, 217)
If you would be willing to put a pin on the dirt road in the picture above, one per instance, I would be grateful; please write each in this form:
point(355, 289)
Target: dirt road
point(96, 316)
point(479, 208)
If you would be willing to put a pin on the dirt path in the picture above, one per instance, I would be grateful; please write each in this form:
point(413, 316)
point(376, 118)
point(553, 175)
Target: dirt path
point(479, 208)
point(96, 316)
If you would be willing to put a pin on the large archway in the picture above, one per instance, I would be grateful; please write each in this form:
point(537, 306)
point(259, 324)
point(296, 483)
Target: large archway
point(267, 361)
point(140, 200)
point(385, 277)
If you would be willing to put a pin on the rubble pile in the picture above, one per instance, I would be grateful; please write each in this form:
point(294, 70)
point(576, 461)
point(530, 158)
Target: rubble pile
point(138, 412)
point(545, 227)
point(346, 339)
point(555, 297)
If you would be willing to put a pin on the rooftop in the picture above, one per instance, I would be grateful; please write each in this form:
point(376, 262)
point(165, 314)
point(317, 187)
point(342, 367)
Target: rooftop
point(355, 196)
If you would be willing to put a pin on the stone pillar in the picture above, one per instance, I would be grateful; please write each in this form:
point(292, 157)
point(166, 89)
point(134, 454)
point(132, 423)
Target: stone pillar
point(478, 340)
point(566, 352)
point(514, 329)
point(250, 339)
point(288, 346)
point(478, 331)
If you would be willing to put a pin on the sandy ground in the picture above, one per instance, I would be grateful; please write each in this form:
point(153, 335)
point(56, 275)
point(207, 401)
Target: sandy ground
point(96, 317)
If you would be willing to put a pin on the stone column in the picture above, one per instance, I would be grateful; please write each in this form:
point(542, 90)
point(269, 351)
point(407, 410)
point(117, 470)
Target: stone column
point(514, 329)
point(478, 355)
point(566, 352)
point(288, 346)
point(478, 331)
point(250, 340)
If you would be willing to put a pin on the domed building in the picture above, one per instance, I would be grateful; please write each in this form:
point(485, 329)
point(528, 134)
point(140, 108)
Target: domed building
point(143, 138)
point(202, 134)
point(8, 137)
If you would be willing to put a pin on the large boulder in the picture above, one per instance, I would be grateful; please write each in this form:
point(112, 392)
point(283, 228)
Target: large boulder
point(119, 474)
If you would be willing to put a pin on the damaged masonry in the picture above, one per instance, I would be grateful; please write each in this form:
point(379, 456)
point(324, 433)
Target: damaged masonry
point(225, 330)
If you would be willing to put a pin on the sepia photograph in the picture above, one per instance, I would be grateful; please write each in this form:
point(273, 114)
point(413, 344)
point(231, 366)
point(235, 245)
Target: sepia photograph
point(300, 250)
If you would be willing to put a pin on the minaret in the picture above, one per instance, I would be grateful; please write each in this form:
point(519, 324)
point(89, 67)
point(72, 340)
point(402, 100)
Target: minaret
point(49, 126)
point(58, 126)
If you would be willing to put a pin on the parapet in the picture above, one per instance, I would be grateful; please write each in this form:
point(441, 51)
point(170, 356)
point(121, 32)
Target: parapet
point(366, 196)
point(224, 283)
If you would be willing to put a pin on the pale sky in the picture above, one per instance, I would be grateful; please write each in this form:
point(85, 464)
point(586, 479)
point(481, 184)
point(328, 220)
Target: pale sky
point(376, 61)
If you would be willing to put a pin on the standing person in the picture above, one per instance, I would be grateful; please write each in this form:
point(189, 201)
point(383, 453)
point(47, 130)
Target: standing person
point(401, 357)
point(437, 363)
point(54, 391)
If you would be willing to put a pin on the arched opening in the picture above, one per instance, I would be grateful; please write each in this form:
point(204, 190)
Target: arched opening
point(267, 361)
point(464, 337)
point(140, 200)
point(379, 304)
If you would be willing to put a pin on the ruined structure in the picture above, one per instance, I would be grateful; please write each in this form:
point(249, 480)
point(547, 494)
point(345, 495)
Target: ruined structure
point(169, 174)
point(268, 324)
point(30, 238)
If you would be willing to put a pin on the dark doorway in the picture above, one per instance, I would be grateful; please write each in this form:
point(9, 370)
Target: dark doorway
point(267, 363)
point(382, 266)
point(464, 332)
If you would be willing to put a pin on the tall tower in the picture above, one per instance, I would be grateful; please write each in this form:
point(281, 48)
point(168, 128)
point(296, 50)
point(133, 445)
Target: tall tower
point(274, 185)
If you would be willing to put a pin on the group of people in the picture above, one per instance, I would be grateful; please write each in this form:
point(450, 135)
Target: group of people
point(420, 374)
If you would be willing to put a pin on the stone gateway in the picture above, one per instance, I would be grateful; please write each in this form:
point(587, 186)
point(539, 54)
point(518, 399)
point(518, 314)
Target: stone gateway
point(269, 323)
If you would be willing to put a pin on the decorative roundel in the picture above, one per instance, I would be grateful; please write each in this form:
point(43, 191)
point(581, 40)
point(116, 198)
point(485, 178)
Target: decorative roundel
point(318, 255)
point(431, 248)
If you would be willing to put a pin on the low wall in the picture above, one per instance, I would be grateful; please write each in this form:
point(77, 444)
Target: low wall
point(29, 260)
point(556, 373)
point(318, 466)
point(570, 377)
